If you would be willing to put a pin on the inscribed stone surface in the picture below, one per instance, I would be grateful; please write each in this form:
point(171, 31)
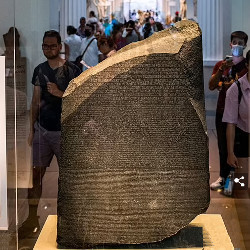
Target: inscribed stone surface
point(134, 166)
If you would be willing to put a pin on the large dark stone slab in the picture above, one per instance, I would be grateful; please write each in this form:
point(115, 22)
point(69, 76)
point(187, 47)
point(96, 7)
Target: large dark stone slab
point(134, 166)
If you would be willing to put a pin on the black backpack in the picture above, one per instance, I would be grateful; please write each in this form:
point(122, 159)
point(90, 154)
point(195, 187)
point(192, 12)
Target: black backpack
point(239, 91)
point(241, 140)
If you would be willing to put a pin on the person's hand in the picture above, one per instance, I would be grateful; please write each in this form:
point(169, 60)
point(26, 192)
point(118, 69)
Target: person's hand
point(227, 84)
point(226, 65)
point(30, 138)
point(232, 160)
point(52, 88)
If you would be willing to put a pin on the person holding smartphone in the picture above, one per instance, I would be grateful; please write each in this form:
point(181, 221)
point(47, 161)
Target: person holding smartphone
point(226, 72)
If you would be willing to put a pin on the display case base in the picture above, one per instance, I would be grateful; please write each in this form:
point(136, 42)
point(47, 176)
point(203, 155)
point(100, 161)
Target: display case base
point(215, 235)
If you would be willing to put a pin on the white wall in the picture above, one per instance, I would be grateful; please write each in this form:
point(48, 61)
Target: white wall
point(70, 13)
point(6, 19)
point(32, 18)
point(143, 5)
point(54, 14)
point(3, 160)
point(241, 18)
point(190, 9)
point(227, 26)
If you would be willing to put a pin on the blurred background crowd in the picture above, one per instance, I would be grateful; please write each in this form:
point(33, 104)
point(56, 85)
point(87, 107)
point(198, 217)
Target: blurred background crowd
point(96, 39)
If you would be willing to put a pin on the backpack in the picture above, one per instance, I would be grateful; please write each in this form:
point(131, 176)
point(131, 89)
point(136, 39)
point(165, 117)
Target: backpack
point(241, 137)
point(239, 91)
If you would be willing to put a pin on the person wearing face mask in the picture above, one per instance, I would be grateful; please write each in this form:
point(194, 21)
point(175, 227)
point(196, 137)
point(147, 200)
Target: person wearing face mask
point(226, 72)
point(89, 49)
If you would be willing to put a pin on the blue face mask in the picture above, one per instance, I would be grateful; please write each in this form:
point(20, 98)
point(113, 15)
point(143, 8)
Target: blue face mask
point(237, 50)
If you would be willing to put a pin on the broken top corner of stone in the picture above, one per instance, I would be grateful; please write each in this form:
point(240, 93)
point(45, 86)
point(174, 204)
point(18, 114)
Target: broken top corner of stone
point(166, 41)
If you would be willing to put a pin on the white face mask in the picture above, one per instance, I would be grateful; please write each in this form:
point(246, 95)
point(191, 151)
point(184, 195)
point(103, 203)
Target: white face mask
point(237, 50)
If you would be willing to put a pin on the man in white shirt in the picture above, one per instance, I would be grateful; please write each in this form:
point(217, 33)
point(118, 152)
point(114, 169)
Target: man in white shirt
point(92, 55)
point(72, 44)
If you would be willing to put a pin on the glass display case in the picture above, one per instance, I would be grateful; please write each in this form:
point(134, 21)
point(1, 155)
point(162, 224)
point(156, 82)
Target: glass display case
point(23, 24)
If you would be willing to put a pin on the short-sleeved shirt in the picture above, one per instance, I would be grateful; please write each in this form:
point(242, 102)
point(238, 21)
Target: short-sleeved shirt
point(132, 38)
point(229, 74)
point(74, 42)
point(235, 113)
point(91, 56)
point(51, 106)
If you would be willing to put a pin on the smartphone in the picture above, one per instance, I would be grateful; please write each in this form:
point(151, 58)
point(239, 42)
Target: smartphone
point(229, 58)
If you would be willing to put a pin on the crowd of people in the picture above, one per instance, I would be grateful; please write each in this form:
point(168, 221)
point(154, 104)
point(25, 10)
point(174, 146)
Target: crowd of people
point(94, 39)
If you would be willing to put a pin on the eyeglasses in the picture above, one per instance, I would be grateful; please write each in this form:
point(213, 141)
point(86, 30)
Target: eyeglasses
point(49, 47)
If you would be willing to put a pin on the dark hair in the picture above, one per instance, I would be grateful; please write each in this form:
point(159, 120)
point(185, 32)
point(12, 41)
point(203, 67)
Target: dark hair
point(248, 56)
point(92, 13)
point(13, 30)
point(147, 30)
point(239, 34)
point(159, 26)
point(82, 18)
point(53, 33)
point(109, 40)
point(71, 30)
point(130, 23)
point(116, 28)
point(147, 27)
point(92, 26)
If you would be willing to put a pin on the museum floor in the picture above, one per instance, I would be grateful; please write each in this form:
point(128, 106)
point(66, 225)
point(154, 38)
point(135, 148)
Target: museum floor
point(234, 211)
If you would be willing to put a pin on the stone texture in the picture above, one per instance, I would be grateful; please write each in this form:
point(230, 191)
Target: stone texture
point(134, 166)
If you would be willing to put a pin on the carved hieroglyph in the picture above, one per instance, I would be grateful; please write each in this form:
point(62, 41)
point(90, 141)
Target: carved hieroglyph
point(134, 165)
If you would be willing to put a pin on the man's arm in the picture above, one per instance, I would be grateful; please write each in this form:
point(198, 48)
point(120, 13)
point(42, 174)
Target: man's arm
point(34, 111)
point(231, 158)
point(215, 78)
point(53, 89)
point(66, 46)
